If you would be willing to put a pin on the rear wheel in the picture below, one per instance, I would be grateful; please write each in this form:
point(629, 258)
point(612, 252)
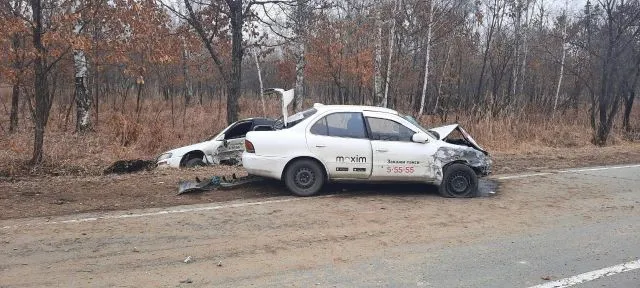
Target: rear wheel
point(304, 177)
point(459, 181)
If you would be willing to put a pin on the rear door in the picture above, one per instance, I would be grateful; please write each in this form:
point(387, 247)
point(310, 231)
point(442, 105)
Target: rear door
point(340, 141)
point(395, 156)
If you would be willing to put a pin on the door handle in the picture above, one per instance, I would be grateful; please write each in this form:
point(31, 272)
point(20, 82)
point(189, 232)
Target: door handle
point(382, 150)
point(321, 146)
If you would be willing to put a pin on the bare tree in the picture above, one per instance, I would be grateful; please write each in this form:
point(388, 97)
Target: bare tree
point(392, 36)
point(255, 59)
point(564, 55)
point(210, 20)
point(427, 58)
point(81, 94)
point(621, 29)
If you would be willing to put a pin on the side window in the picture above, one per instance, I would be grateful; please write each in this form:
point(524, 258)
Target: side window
point(343, 124)
point(238, 131)
point(388, 130)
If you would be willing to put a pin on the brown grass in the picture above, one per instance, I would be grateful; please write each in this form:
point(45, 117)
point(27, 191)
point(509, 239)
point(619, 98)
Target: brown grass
point(124, 135)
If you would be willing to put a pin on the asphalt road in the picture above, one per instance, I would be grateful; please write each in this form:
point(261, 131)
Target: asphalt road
point(536, 230)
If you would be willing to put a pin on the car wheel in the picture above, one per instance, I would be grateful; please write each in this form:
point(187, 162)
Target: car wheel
point(194, 162)
point(459, 181)
point(304, 177)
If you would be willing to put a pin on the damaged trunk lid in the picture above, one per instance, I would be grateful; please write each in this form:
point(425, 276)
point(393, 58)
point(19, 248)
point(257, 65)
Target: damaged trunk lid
point(443, 133)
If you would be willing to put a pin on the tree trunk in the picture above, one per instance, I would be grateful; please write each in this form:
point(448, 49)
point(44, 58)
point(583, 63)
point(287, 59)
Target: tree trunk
point(564, 54)
point(41, 84)
point(444, 71)
point(264, 109)
point(301, 20)
point(140, 84)
point(299, 86)
point(188, 92)
point(233, 87)
point(15, 96)
point(628, 106)
point(426, 61)
point(392, 34)
point(485, 56)
point(377, 62)
point(83, 99)
point(15, 101)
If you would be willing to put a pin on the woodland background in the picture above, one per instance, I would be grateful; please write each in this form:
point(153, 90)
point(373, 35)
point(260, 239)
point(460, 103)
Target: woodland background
point(87, 82)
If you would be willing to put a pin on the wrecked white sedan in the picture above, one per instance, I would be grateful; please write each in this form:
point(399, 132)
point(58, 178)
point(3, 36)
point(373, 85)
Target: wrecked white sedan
point(224, 148)
point(365, 144)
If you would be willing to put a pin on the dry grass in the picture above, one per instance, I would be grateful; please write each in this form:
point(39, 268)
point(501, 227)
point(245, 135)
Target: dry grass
point(124, 135)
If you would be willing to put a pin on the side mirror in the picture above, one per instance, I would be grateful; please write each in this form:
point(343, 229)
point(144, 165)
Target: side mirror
point(420, 138)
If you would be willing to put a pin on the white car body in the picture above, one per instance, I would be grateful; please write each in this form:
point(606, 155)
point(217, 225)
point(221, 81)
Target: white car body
point(368, 158)
point(222, 147)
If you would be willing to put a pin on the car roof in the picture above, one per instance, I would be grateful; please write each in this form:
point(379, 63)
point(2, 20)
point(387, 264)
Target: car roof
point(353, 108)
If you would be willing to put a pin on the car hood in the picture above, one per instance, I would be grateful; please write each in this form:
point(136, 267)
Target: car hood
point(444, 131)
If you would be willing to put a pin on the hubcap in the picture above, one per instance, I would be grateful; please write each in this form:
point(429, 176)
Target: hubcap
point(304, 178)
point(459, 183)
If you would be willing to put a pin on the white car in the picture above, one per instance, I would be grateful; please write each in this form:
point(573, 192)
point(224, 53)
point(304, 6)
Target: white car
point(364, 144)
point(225, 147)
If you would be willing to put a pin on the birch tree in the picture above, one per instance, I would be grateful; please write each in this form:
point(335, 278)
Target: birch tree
point(255, 59)
point(392, 35)
point(378, 96)
point(427, 58)
point(301, 23)
point(81, 68)
point(564, 55)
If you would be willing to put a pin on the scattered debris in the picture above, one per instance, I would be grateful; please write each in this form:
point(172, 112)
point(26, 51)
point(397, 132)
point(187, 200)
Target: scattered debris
point(219, 264)
point(188, 260)
point(213, 183)
point(130, 166)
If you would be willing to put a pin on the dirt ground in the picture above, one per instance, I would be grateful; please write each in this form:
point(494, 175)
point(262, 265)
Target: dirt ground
point(59, 195)
point(367, 238)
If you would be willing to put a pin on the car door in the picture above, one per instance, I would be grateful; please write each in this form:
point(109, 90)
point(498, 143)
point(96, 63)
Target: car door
point(233, 142)
point(340, 141)
point(395, 155)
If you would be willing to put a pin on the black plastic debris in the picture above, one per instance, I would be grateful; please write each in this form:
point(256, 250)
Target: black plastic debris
point(130, 166)
point(214, 183)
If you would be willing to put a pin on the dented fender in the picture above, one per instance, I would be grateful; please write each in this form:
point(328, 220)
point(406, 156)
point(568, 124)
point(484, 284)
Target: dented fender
point(445, 155)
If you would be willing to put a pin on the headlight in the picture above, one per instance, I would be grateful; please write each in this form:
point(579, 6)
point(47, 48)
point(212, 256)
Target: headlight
point(163, 157)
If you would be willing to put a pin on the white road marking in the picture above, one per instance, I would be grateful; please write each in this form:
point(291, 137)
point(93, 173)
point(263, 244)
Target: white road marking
point(597, 168)
point(577, 170)
point(524, 176)
point(590, 276)
point(165, 212)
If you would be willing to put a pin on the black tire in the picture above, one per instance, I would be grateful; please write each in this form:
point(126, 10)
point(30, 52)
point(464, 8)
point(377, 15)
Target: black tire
point(459, 181)
point(304, 177)
point(194, 162)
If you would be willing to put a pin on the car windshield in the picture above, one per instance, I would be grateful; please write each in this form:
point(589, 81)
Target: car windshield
point(299, 117)
point(414, 122)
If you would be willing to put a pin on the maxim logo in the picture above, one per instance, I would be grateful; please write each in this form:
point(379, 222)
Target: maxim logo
point(351, 159)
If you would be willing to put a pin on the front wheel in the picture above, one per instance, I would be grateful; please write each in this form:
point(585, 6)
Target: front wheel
point(304, 177)
point(194, 162)
point(459, 181)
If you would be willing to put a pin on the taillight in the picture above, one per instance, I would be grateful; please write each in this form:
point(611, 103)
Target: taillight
point(248, 146)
